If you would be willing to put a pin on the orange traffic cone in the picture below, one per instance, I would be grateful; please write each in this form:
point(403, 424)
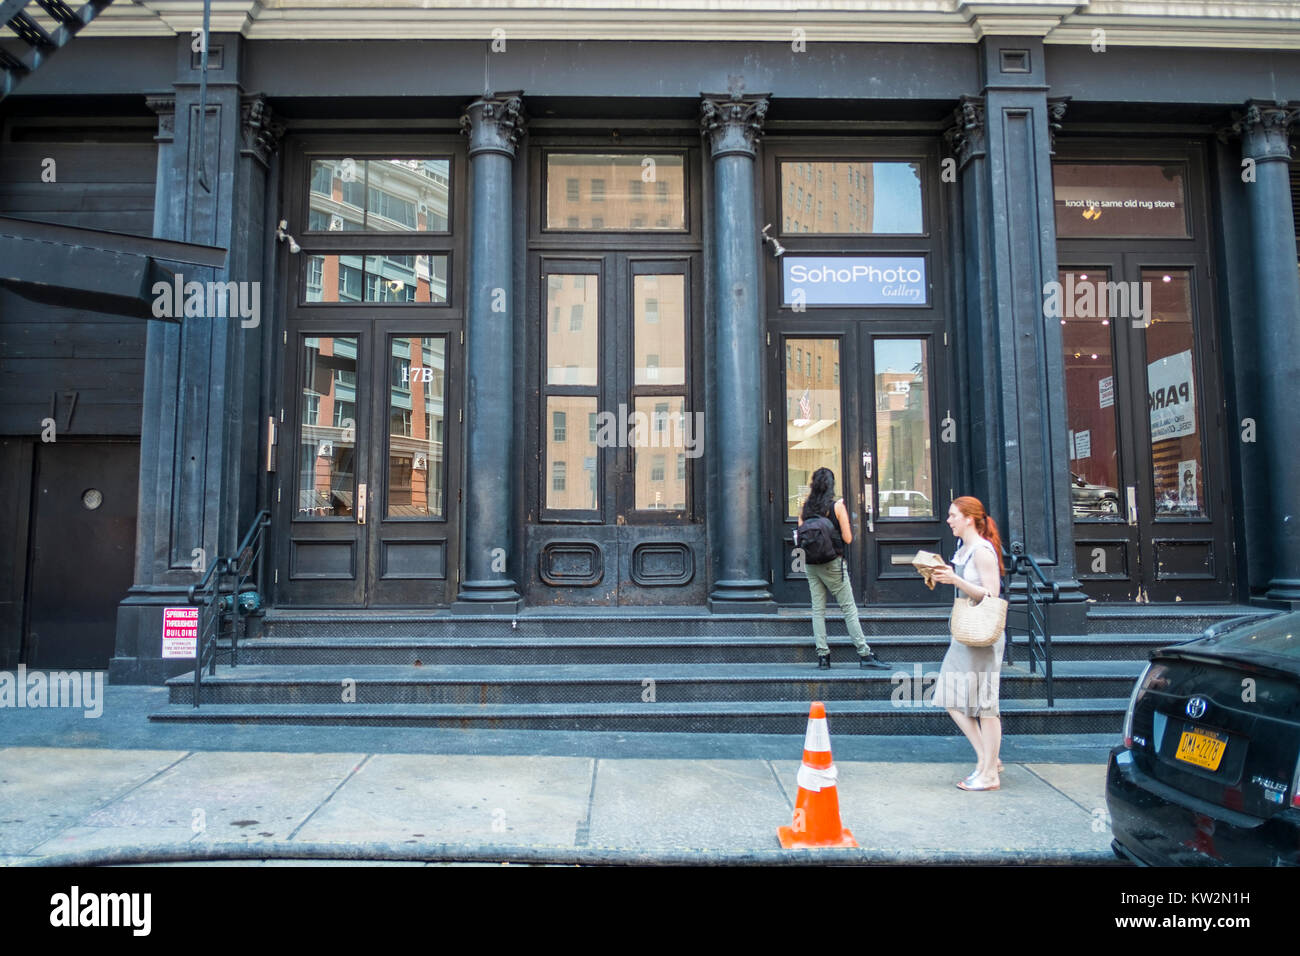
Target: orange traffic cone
point(817, 808)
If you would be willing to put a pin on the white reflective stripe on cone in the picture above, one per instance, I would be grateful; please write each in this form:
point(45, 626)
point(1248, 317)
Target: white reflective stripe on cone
point(810, 778)
point(818, 738)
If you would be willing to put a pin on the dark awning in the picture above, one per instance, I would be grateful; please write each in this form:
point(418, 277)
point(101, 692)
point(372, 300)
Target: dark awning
point(92, 269)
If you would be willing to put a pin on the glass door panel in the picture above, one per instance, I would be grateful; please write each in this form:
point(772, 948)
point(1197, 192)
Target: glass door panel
point(813, 414)
point(417, 403)
point(1177, 458)
point(327, 432)
point(1089, 361)
point(904, 467)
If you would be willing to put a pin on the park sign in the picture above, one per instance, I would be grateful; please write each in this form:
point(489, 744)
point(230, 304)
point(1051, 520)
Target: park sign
point(853, 280)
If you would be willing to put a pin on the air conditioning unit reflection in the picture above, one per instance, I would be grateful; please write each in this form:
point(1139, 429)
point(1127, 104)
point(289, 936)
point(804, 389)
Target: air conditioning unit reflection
point(336, 223)
point(325, 450)
point(420, 463)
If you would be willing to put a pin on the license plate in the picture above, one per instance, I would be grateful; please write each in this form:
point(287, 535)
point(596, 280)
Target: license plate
point(1201, 748)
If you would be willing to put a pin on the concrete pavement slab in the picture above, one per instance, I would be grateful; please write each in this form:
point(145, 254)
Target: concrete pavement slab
point(1082, 783)
point(46, 790)
point(218, 797)
point(420, 798)
point(907, 808)
point(686, 804)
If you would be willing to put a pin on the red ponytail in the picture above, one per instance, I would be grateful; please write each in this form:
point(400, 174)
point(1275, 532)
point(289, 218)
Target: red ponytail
point(984, 524)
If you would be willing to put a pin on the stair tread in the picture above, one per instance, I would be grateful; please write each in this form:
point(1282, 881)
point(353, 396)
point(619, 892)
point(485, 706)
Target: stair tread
point(1063, 706)
point(618, 673)
point(659, 641)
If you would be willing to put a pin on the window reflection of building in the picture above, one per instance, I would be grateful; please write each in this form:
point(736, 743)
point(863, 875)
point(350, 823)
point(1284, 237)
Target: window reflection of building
point(416, 420)
point(612, 191)
point(903, 429)
point(851, 197)
point(379, 195)
point(326, 451)
point(813, 437)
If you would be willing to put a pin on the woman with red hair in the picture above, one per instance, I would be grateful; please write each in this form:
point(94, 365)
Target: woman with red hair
point(969, 677)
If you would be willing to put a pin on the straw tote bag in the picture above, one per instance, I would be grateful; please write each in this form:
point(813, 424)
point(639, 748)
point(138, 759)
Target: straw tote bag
point(978, 625)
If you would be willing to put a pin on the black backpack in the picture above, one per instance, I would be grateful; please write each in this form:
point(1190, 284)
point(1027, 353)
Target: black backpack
point(817, 538)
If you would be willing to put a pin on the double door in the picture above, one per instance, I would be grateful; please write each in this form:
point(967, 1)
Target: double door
point(368, 475)
point(872, 406)
point(1146, 432)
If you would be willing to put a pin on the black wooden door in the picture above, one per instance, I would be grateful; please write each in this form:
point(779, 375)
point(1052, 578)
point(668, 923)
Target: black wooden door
point(83, 550)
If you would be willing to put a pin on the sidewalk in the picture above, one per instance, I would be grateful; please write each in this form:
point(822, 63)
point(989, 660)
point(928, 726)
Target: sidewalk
point(118, 789)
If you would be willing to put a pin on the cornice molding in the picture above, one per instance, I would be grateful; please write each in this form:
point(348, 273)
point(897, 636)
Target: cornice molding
point(1226, 24)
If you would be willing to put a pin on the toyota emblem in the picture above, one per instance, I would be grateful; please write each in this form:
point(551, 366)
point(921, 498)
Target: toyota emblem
point(1196, 707)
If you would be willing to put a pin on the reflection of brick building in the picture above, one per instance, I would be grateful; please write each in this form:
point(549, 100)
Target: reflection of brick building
point(616, 192)
point(828, 197)
point(813, 400)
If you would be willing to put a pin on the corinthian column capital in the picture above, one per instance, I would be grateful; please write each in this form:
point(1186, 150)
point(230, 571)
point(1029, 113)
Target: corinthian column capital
point(733, 122)
point(1265, 129)
point(494, 123)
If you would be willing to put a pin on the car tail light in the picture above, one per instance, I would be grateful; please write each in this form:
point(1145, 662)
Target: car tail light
point(1295, 786)
point(1132, 703)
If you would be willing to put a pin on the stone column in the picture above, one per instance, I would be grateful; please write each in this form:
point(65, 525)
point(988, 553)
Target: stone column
point(1269, 464)
point(1016, 408)
point(201, 429)
point(731, 125)
point(494, 125)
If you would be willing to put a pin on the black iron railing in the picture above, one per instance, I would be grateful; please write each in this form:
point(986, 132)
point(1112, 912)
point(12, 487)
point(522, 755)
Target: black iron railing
point(1039, 592)
point(227, 593)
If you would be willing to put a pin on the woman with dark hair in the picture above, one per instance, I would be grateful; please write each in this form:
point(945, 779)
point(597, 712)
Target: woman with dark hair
point(833, 576)
point(969, 677)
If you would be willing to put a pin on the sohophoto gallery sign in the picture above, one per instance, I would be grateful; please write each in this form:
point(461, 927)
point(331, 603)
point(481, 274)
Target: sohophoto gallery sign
point(853, 280)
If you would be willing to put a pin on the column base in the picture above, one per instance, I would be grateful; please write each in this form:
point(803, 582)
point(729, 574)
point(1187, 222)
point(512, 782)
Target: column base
point(748, 596)
point(487, 597)
point(1284, 591)
point(137, 657)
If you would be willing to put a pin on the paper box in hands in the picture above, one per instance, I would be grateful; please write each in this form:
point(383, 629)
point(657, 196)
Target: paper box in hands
point(927, 563)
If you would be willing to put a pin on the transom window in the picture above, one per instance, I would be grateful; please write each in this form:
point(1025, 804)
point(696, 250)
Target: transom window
point(855, 197)
point(606, 192)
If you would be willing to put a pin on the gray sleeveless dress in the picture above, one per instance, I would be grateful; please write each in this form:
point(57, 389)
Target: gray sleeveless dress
point(969, 677)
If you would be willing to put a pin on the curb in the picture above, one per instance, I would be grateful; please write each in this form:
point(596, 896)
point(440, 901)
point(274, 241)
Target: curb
point(567, 856)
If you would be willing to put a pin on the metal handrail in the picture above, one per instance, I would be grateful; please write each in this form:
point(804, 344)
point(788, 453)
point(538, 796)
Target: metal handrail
point(1039, 592)
point(218, 599)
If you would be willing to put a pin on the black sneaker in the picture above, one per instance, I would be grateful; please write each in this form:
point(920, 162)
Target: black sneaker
point(870, 659)
point(823, 662)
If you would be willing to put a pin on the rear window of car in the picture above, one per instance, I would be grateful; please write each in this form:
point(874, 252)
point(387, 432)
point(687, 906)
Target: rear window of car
point(1278, 636)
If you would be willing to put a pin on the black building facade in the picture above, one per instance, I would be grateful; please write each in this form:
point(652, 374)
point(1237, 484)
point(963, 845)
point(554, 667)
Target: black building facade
point(581, 339)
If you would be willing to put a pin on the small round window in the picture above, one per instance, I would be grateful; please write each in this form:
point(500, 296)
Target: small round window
point(92, 498)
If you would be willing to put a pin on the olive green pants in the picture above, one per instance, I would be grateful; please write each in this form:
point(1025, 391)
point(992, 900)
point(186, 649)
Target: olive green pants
point(834, 577)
